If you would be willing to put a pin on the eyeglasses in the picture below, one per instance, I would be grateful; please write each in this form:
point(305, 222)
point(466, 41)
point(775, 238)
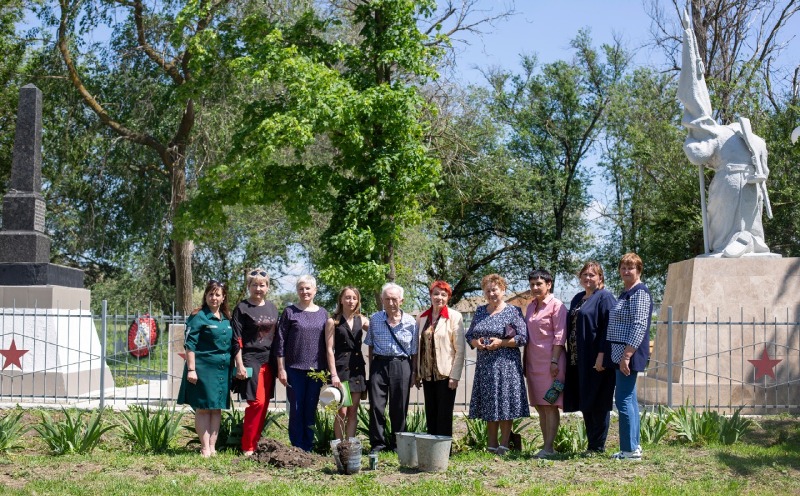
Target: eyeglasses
point(258, 273)
point(217, 282)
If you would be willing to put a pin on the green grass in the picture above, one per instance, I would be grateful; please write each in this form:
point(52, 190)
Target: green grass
point(764, 461)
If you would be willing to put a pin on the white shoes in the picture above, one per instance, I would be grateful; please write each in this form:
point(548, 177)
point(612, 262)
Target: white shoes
point(628, 455)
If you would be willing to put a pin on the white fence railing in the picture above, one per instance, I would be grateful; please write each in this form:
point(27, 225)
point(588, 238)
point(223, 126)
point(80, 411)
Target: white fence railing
point(55, 357)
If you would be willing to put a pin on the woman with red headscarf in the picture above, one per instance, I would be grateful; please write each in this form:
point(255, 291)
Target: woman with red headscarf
point(440, 359)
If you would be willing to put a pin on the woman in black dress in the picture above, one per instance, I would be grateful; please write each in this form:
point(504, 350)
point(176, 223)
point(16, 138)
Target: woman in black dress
point(254, 321)
point(343, 336)
point(589, 384)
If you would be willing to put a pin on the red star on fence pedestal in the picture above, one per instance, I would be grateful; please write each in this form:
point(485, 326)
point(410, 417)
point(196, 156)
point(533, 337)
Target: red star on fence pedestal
point(12, 356)
point(765, 365)
point(182, 355)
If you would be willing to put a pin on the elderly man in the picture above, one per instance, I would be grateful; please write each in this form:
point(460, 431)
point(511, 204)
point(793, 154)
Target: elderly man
point(392, 341)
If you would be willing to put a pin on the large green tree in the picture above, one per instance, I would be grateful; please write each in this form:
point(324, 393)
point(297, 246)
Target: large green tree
point(13, 49)
point(112, 191)
point(484, 209)
point(653, 207)
point(157, 44)
point(554, 115)
point(343, 134)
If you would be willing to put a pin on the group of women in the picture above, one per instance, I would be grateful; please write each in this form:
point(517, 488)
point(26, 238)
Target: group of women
point(573, 359)
point(214, 337)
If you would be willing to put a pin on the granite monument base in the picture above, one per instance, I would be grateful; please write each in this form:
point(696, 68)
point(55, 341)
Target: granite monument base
point(727, 314)
point(40, 274)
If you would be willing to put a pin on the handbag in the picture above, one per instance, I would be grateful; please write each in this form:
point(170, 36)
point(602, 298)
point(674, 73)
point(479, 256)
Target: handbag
point(552, 394)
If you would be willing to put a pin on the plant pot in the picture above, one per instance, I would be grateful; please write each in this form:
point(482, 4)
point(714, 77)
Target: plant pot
point(433, 452)
point(349, 456)
point(336, 458)
point(407, 449)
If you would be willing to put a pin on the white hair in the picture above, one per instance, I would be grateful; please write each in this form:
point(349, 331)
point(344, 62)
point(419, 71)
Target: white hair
point(306, 279)
point(390, 285)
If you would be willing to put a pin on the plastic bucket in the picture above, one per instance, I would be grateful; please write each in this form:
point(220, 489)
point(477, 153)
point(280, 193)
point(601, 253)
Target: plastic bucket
point(407, 449)
point(336, 458)
point(433, 452)
point(352, 458)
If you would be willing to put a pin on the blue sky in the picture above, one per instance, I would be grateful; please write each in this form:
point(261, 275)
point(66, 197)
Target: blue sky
point(546, 28)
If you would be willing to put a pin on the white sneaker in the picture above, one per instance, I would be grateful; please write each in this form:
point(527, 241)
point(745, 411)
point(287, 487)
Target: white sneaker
point(628, 455)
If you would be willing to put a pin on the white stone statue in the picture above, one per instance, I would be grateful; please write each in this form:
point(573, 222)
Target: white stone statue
point(737, 195)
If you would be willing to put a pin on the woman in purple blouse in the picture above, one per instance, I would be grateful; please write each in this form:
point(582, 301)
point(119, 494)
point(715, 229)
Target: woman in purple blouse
point(300, 349)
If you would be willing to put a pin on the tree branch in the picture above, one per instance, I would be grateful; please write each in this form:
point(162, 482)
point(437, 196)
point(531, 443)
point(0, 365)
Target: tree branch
point(91, 102)
point(169, 67)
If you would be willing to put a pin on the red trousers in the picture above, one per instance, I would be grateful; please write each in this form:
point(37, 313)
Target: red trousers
point(255, 415)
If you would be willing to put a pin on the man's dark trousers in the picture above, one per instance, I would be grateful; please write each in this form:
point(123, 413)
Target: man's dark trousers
point(390, 378)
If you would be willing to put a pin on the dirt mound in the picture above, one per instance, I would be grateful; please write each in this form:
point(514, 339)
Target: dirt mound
point(277, 454)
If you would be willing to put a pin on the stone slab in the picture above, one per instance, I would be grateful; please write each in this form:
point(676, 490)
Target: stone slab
point(176, 362)
point(54, 384)
point(726, 312)
point(26, 165)
point(45, 297)
point(23, 212)
point(24, 247)
point(42, 274)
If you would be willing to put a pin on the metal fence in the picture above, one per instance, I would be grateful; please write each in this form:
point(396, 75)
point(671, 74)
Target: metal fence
point(724, 365)
point(56, 357)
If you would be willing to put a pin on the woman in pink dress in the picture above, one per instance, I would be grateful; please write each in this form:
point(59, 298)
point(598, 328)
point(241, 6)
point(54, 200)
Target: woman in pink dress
point(546, 319)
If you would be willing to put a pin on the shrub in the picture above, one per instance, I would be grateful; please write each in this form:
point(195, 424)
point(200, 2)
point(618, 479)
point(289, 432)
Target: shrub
point(521, 425)
point(323, 431)
point(654, 426)
point(571, 439)
point(416, 421)
point(732, 428)
point(151, 431)
point(11, 430)
point(231, 428)
point(72, 435)
point(476, 436)
point(363, 420)
point(693, 428)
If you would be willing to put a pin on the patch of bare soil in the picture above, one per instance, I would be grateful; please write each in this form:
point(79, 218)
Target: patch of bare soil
point(277, 454)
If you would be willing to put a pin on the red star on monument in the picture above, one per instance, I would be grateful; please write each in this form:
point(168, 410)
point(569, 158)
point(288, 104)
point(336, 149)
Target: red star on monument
point(182, 355)
point(765, 365)
point(12, 356)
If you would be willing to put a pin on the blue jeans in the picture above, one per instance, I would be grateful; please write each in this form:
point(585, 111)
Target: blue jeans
point(628, 407)
point(303, 395)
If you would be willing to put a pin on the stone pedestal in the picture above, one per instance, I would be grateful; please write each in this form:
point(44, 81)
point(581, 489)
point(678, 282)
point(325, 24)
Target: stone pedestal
point(177, 358)
point(725, 313)
point(53, 325)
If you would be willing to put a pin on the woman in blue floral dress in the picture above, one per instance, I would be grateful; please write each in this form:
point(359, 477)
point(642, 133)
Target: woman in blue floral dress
point(498, 390)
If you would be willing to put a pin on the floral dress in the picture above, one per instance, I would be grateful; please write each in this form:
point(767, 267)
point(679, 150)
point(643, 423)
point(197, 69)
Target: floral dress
point(498, 390)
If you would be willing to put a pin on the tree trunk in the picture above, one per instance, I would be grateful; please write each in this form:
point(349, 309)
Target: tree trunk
point(182, 249)
point(182, 253)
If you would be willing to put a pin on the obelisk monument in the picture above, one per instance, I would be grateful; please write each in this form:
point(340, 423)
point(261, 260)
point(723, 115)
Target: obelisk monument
point(48, 342)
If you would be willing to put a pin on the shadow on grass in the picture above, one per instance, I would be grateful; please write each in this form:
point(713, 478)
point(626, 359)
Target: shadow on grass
point(781, 435)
